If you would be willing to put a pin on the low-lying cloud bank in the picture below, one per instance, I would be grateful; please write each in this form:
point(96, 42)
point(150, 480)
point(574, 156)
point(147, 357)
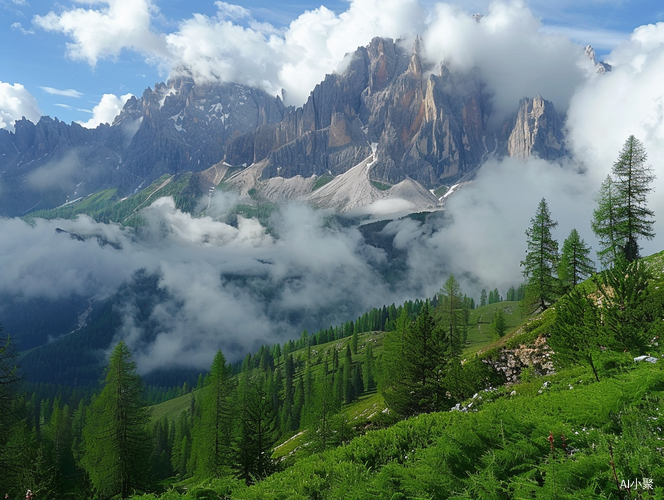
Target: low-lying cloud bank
point(237, 287)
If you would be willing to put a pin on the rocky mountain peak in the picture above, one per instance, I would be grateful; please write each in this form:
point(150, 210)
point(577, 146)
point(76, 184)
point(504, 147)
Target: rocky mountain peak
point(536, 130)
point(600, 67)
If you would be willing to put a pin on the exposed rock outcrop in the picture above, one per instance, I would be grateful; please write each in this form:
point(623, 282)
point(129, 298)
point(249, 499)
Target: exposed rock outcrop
point(536, 131)
point(423, 124)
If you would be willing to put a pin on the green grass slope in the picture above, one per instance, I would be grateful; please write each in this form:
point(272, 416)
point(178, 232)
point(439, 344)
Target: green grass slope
point(498, 448)
point(109, 206)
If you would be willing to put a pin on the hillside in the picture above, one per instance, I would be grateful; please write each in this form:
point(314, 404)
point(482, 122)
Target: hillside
point(499, 450)
point(558, 435)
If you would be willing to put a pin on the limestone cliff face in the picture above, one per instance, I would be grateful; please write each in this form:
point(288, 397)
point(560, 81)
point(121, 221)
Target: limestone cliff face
point(536, 131)
point(177, 127)
point(419, 123)
point(423, 126)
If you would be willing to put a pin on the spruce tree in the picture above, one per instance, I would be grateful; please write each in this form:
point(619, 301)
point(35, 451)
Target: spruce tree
point(632, 182)
point(575, 264)
point(116, 436)
point(368, 368)
point(541, 258)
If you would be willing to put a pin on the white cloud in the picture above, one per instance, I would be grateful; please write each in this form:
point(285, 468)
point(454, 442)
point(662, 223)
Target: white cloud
point(107, 30)
point(627, 101)
point(15, 103)
point(231, 46)
point(600, 39)
point(514, 57)
point(230, 11)
point(63, 93)
point(19, 26)
point(108, 108)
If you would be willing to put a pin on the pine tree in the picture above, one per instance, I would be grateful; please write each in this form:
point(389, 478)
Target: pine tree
point(349, 389)
point(541, 258)
point(213, 430)
point(627, 312)
point(483, 298)
point(632, 183)
point(116, 437)
point(574, 265)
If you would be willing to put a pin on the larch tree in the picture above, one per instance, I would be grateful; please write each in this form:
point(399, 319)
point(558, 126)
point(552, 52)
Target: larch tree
point(257, 431)
point(605, 223)
point(451, 317)
point(577, 335)
point(622, 215)
point(575, 264)
point(424, 356)
point(212, 434)
point(541, 258)
point(116, 436)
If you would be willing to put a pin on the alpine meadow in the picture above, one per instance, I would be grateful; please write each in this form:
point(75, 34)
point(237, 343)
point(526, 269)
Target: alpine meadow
point(363, 250)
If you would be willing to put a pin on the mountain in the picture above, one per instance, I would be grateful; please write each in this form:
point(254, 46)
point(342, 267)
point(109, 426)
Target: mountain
point(410, 121)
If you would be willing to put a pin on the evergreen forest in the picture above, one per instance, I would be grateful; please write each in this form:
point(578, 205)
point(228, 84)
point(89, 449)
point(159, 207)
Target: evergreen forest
point(554, 390)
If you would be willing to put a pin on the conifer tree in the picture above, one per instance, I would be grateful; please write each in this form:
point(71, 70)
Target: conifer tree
point(414, 384)
point(575, 264)
point(632, 182)
point(257, 432)
point(349, 388)
point(213, 430)
point(541, 258)
point(116, 437)
point(368, 368)
point(605, 223)
point(577, 335)
point(9, 414)
point(451, 317)
point(483, 298)
point(498, 324)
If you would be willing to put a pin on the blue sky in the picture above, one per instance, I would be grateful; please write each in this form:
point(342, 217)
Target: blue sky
point(38, 58)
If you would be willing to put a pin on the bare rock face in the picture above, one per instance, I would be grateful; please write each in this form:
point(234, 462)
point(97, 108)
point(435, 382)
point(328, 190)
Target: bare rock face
point(536, 131)
point(600, 67)
point(423, 126)
point(177, 127)
point(418, 123)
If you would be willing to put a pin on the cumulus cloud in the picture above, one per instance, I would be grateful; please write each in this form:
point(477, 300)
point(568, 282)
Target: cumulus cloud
point(297, 59)
point(508, 45)
point(515, 58)
point(107, 30)
point(627, 101)
point(16, 102)
point(108, 108)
